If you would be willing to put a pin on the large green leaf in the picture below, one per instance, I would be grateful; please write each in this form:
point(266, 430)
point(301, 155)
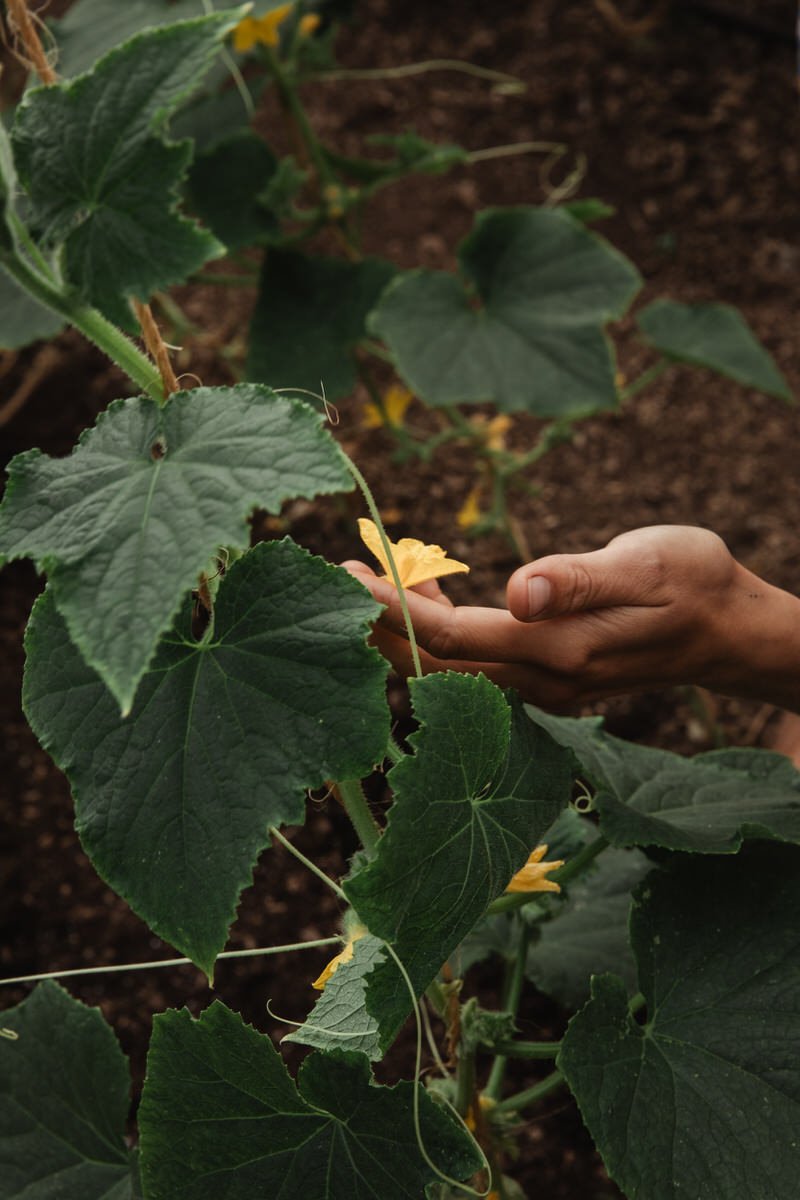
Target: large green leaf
point(588, 932)
point(309, 315)
point(470, 804)
point(101, 179)
point(22, 319)
point(221, 1117)
point(90, 28)
point(709, 803)
point(126, 523)
point(64, 1097)
point(715, 336)
point(224, 185)
point(525, 329)
point(703, 1100)
point(173, 803)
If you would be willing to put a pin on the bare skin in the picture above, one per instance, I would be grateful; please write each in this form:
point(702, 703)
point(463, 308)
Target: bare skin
point(656, 607)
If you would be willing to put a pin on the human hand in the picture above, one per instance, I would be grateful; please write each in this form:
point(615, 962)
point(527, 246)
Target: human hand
point(657, 606)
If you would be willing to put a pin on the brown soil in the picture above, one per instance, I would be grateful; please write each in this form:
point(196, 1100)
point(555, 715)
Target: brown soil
point(691, 134)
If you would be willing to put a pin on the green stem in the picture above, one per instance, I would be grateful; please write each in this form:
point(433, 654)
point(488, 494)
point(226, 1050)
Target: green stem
point(529, 1049)
point(387, 549)
point(643, 380)
point(494, 1085)
point(23, 236)
point(298, 114)
point(92, 324)
point(357, 809)
point(465, 1081)
point(531, 1095)
point(576, 866)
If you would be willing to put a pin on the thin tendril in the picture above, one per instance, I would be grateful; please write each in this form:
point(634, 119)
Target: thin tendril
point(308, 863)
point(314, 1028)
point(387, 549)
point(431, 1040)
point(470, 1191)
point(170, 962)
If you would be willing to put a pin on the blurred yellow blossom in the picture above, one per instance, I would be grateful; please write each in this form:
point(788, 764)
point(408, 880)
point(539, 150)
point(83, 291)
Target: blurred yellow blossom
point(253, 31)
point(416, 562)
point(532, 876)
point(469, 514)
point(395, 403)
point(309, 24)
point(344, 956)
point(492, 432)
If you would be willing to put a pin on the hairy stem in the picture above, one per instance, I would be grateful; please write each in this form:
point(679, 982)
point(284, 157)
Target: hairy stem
point(92, 324)
point(530, 1095)
point(354, 802)
point(511, 1000)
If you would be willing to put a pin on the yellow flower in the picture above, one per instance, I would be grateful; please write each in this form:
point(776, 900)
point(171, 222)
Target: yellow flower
point(252, 31)
point(416, 562)
point(532, 876)
point(469, 514)
point(395, 403)
point(344, 956)
point(492, 433)
point(309, 23)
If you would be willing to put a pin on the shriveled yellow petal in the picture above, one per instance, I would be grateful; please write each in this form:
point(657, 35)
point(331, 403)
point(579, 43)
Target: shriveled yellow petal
point(344, 956)
point(395, 403)
point(469, 514)
point(532, 877)
point(309, 23)
point(416, 562)
point(245, 35)
point(268, 24)
point(496, 431)
point(253, 31)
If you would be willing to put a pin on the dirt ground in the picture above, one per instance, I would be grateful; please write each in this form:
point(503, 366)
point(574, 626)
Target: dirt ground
point(690, 132)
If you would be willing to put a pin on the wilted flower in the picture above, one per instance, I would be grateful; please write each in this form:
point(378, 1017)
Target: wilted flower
point(395, 403)
point(415, 562)
point(254, 31)
point(532, 876)
point(344, 956)
point(470, 514)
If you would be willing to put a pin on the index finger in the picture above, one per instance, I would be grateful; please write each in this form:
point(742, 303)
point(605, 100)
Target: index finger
point(448, 632)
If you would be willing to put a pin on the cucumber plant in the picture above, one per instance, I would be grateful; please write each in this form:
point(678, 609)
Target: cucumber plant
point(193, 688)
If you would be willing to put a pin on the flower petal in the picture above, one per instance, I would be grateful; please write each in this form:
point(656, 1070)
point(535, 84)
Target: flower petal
point(416, 562)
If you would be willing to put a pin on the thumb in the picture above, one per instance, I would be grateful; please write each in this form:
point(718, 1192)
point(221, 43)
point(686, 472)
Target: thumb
point(575, 583)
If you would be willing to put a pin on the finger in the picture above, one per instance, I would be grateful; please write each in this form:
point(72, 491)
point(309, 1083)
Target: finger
point(625, 573)
point(367, 576)
point(398, 651)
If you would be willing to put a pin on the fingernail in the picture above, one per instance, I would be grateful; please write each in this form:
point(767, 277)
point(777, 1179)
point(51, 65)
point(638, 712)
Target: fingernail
point(539, 592)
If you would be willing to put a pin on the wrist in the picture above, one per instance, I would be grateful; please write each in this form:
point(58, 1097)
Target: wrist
point(755, 644)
